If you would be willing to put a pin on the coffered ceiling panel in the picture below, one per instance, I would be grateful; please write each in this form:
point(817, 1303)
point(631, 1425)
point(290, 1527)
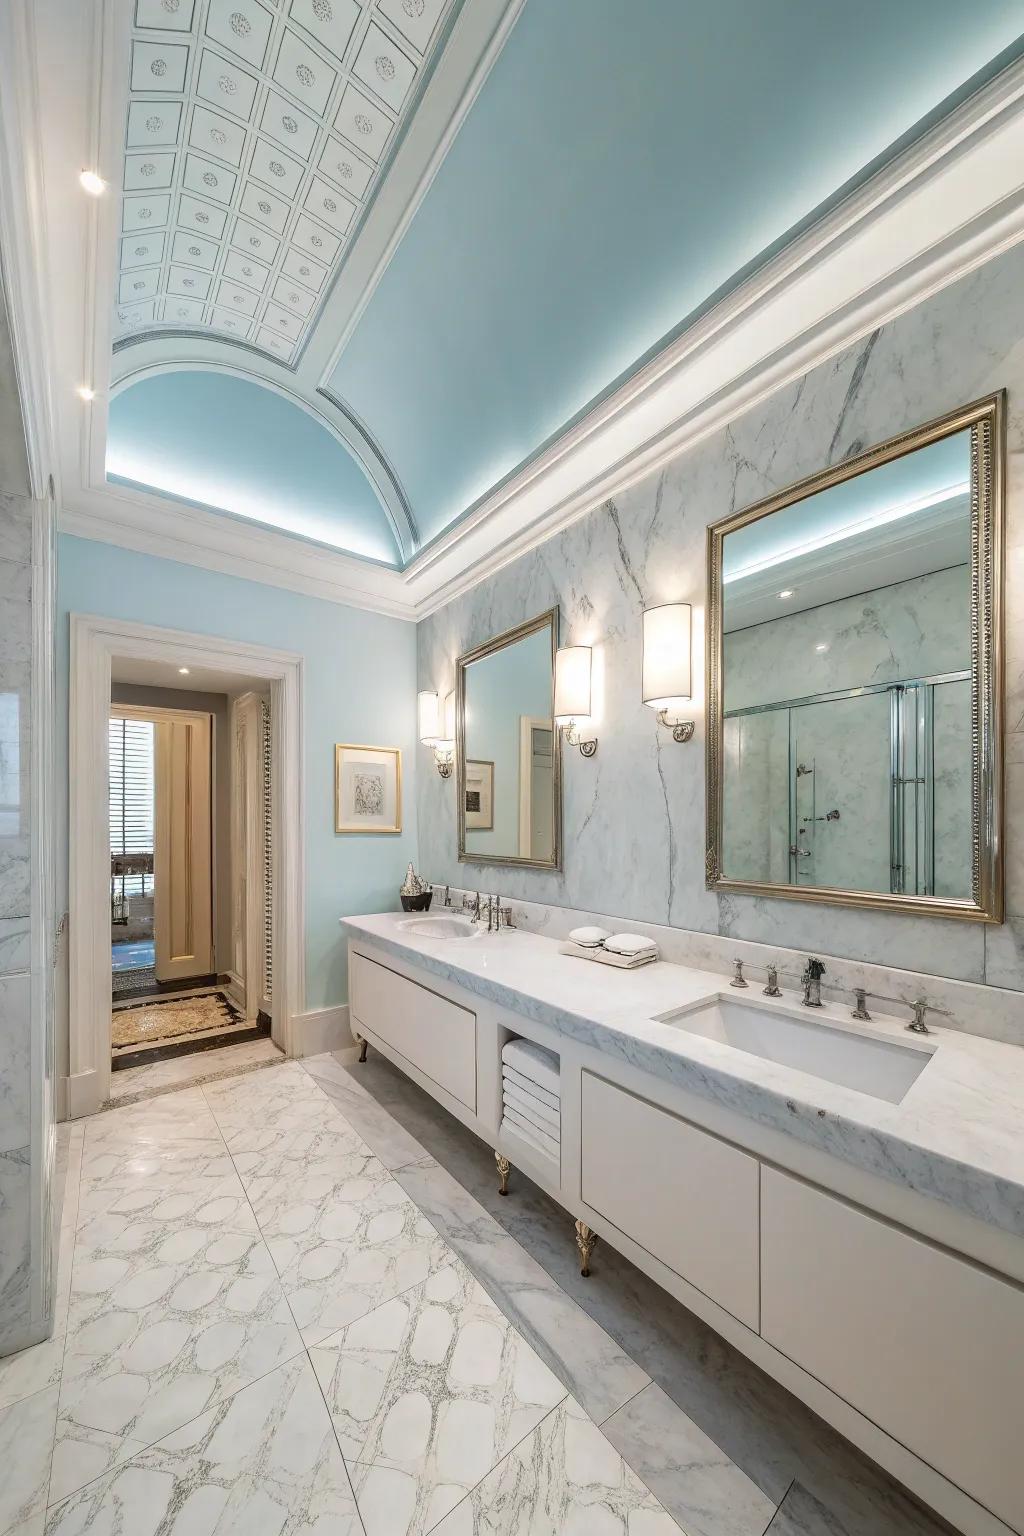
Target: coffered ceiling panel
point(255, 136)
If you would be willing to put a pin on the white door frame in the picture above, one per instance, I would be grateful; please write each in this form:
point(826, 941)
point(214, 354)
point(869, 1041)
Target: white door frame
point(95, 642)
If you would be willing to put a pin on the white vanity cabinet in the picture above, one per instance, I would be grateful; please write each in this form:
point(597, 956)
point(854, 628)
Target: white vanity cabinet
point(926, 1345)
point(686, 1197)
point(428, 1030)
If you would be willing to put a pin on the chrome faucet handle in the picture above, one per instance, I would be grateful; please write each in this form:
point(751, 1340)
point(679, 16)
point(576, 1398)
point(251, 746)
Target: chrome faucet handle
point(814, 970)
point(738, 979)
point(860, 1001)
point(917, 1025)
point(447, 895)
point(772, 988)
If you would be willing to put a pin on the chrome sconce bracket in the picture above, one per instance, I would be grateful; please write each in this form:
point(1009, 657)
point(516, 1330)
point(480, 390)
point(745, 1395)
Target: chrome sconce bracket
point(572, 735)
point(682, 730)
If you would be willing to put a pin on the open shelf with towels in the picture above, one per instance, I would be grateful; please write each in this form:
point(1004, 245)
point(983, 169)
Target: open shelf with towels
point(531, 1097)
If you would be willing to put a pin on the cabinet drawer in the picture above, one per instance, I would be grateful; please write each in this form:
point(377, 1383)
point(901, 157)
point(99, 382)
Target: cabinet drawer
point(435, 1035)
point(927, 1346)
point(686, 1197)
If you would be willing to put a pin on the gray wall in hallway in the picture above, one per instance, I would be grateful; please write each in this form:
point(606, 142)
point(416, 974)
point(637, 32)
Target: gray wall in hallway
point(634, 814)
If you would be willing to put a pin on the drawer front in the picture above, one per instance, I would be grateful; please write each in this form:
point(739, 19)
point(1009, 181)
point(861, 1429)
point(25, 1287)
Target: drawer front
point(927, 1346)
point(435, 1035)
point(686, 1197)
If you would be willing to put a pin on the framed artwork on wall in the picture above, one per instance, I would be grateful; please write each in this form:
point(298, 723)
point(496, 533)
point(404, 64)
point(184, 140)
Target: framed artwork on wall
point(367, 788)
point(479, 792)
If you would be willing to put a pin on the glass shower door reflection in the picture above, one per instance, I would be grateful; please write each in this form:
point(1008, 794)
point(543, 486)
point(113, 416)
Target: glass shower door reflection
point(840, 786)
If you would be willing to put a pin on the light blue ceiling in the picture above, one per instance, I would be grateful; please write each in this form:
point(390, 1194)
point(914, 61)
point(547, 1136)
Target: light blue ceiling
point(623, 162)
point(224, 442)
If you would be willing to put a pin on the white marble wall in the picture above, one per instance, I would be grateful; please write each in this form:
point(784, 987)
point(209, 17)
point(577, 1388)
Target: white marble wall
point(634, 814)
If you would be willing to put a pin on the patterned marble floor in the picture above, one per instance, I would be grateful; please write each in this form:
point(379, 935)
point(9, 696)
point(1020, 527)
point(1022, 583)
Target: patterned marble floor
point(260, 1331)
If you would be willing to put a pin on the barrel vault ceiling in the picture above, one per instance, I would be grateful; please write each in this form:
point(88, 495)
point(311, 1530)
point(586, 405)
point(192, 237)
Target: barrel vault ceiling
point(367, 276)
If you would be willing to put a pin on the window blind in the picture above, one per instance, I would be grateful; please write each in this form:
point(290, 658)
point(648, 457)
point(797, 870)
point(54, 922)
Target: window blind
point(131, 793)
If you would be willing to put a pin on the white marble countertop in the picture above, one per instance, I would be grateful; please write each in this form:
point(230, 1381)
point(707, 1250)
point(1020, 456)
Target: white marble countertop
point(957, 1135)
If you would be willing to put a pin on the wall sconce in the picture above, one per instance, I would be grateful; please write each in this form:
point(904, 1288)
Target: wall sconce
point(666, 666)
point(438, 733)
point(572, 695)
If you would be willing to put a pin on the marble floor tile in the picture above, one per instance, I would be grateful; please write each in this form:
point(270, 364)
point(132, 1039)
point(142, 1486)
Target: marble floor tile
point(164, 1322)
point(263, 1463)
point(159, 1077)
point(427, 1394)
point(26, 1445)
point(218, 1201)
point(385, 1135)
point(706, 1492)
point(801, 1514)
point(564, 1479)
point(31, 1370)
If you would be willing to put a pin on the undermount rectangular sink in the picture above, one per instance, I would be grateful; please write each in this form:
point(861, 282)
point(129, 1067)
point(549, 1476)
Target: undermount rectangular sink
point(885, 1069)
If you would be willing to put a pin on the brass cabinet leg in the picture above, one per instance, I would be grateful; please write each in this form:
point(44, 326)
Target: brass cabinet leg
point(585, 1242)
point(362, 1049)
point(504, 1169)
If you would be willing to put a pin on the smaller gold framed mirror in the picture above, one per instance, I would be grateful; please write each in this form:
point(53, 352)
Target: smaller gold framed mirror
point(855, 680)
point(508, 752)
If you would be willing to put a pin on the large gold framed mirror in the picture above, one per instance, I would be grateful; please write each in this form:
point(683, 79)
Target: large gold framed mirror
point(508, 752)
point(854, 677)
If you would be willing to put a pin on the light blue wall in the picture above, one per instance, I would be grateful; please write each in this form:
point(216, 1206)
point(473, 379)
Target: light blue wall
point(500, 689)
point(360, 686)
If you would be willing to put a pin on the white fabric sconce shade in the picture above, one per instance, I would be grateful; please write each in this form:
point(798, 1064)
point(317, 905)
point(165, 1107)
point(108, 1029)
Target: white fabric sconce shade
point(437, 728)
point(449, 719)
point(666, 681)
point(429, 718)
point(572, 683)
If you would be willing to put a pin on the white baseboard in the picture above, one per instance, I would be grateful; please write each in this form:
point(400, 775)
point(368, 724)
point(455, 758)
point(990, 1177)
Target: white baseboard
point(321, 1029)
point(83, 1094)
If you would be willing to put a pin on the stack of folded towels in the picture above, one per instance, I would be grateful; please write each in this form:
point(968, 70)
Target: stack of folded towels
point(530, 1095)
point(627, 950)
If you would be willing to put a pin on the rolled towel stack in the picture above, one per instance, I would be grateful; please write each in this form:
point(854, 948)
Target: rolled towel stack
point(531, 1104)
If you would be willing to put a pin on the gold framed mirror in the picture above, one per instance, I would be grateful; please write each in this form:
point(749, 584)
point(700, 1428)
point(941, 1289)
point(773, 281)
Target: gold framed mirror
point(508, 749)
point(855, 679)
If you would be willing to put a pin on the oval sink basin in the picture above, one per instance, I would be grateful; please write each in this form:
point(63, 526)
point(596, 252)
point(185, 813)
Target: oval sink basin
point(872, 1064)
point(458, 928)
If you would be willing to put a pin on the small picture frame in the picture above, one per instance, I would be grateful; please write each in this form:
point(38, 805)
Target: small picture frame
point(479, 792)
point(367, 788)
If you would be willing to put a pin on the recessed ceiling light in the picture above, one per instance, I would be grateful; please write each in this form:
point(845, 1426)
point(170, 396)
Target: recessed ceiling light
point(85, 393)
point(90, 182)
point(183, 671)
point(787, 592)
point(821, 647)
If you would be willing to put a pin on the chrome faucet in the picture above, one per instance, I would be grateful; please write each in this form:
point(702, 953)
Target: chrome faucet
point(917, 1025)
point(472, 905)
point(772, 988)
point(860, 1000)
point(813, 972)
point(447, 895)
point(738, 979)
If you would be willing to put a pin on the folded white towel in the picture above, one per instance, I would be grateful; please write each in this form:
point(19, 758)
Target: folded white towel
point(530, 1134)
point(535, 1091)
point(630, 944)
point(539, 1114)
point(589, 936)
point(534, 1062)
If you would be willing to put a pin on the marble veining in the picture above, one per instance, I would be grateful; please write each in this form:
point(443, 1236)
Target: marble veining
point(955, 1137)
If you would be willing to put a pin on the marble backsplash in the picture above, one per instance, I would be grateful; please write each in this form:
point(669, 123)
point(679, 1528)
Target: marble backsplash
point(633, 816)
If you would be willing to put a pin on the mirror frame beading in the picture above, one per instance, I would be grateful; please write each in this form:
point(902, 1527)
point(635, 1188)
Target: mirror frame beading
point(547, 619)
point(986, 420)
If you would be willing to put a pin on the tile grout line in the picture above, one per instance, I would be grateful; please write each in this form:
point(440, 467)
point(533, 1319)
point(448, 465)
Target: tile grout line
point(775, 1516)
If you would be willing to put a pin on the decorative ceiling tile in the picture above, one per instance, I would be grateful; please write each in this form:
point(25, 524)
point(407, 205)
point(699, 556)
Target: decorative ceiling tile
point(330, 205)
point(343, 167)
point(144, 172)
point(384, 68)
point(304, 269)
point(139, 250)
point(184, 311)
point(226, 320)
point(276, 169)
point(415, 19)
point(134, 317)
point(246, 269)
point(243, 26)
point(188, 283)
point(294, 298)
point(152, 123)
point(217, 135)
point(281, 322)
point(224, 83)
point(139, 285)
point(312, 237)
point(232, 296)
point(159, 66)
point(290, 127)
point(255, 242)
point(263, 206)
point(303, 73)
point(202, 217)
point(274, 343)
point(330, 22)
point(167, 15)
point(209, 180)
point(145, 212)
point(195, 251)
point(363, 123)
